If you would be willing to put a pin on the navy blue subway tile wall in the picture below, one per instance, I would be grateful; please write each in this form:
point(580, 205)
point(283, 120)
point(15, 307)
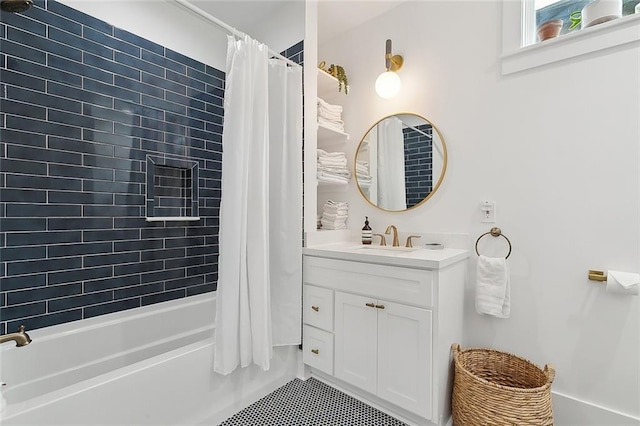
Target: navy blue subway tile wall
point(295, 53)
point(83, 104)
point(418, 160)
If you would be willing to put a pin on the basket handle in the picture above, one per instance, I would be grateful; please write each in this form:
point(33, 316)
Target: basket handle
point(550, 372)
point(455, 348)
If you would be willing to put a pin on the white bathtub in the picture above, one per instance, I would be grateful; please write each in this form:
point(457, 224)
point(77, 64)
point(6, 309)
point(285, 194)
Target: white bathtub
point(147, 366)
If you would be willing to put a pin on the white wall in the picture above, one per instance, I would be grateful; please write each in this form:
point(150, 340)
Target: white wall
point(554, 147)
point(283, 28)
point(169, 24)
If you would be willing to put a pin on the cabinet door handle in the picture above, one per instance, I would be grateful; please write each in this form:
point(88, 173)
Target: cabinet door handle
point(380, 306)
point(315, 351)
point(371, 305)
point(315, 308)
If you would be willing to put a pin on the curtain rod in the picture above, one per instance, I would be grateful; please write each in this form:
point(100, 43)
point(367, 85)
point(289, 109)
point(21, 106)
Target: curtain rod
point(426, 134)
point(227, 27)
point(417, 130)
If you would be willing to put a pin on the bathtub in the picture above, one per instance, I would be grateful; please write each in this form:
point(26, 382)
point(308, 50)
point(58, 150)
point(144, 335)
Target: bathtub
point(146, 366)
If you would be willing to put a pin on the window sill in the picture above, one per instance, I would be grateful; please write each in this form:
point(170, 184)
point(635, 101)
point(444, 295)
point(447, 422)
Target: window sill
point(599, 37)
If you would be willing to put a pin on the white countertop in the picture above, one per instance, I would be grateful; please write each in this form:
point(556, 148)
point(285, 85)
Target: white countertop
point(416, 257)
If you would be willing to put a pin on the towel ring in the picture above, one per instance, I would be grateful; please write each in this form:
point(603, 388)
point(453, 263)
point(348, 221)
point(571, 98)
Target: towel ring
point(494, 232)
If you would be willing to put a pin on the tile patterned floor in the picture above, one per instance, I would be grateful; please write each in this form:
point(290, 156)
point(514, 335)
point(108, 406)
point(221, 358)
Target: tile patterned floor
point(310, 403)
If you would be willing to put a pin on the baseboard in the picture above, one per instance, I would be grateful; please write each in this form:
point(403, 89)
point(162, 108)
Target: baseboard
point(569, 411)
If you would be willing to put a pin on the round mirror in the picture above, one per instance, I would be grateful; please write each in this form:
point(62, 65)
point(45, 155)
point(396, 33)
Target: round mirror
point(400, 162)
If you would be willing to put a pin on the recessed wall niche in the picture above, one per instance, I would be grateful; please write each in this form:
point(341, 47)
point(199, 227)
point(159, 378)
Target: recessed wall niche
point(172, 189)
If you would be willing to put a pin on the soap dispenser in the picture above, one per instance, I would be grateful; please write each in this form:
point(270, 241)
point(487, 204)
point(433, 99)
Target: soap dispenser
point(367, 233)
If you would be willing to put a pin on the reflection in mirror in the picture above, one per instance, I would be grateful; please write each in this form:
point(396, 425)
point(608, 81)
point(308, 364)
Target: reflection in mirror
point(400, 162)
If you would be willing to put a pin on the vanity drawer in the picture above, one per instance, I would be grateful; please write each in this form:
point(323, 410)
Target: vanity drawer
point(318, 307)
point(397, 284)
point(317, 349)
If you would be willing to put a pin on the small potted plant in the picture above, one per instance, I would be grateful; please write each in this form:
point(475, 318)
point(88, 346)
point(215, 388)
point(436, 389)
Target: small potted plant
point(338, 72)
point(549, 29)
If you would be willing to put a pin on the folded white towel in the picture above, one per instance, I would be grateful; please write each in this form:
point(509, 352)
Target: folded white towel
point(331, 125)
point(493, 287)
point(332, 179)
point(322, 153)
point(332, 208)
point(333, 216)
point(340, 171)
point(335, 208)
point(334, 118)
point(329, 113)
point(324, 104)
point(329, 120)
point(332, 162)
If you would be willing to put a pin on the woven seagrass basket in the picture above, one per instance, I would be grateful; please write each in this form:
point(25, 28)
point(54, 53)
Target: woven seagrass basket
point(496, 388)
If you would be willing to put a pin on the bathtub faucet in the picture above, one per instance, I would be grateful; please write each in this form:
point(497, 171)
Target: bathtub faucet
point(21, 338)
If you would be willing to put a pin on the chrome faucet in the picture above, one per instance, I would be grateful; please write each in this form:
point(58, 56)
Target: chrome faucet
point(21, 338)
point(396, 243)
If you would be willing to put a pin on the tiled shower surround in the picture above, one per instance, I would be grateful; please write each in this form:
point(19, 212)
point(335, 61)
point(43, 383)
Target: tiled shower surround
point(418, 160)
point(84, 106)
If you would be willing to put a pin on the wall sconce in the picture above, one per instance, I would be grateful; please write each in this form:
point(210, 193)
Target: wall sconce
point(388, 83)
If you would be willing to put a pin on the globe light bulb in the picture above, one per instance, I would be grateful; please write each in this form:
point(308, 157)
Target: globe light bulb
point(388, 84)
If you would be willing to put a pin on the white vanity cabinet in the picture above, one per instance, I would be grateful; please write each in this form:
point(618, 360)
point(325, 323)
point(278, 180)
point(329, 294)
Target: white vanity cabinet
point(385, 348)
point(392, 328)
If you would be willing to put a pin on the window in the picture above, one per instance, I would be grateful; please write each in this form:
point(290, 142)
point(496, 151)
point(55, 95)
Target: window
point(521, 51)
point(546, 10)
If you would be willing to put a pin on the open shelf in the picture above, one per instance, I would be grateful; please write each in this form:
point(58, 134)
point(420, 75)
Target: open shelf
point(330, 136)
point(332, 187)
point(328, 86)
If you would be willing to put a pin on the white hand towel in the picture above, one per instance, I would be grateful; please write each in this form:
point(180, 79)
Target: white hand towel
point(493, 287)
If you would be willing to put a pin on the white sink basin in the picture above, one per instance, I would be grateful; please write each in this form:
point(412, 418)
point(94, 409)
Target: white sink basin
point(417, 257)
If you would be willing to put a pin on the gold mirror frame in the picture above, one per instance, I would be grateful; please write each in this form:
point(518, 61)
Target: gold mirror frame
point(442, 173)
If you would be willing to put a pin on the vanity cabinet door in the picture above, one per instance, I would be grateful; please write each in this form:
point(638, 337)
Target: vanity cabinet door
point(356, 340)
point(404, 357)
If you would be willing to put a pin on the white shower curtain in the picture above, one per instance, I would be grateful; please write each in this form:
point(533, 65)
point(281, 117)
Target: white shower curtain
point(391, 177)
point(258, 300)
